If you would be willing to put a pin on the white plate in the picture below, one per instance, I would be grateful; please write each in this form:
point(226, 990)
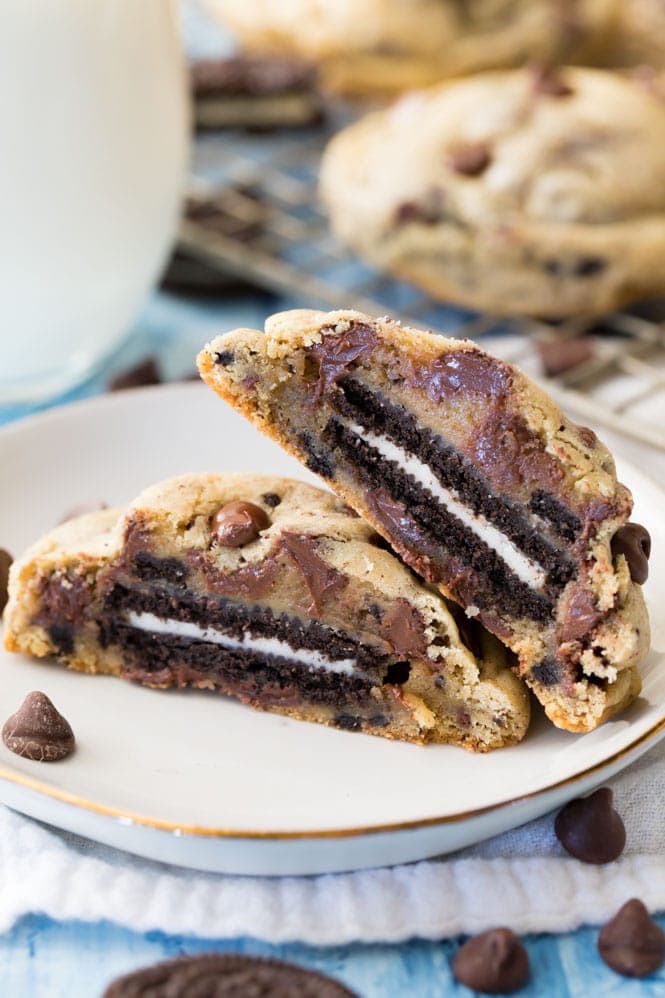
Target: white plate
point(199, 780)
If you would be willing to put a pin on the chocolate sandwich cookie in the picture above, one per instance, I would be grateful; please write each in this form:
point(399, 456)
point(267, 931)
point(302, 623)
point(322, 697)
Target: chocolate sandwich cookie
point(269, 591)
point(369, 47)
point(474, 477)
point(522, 192)
point(226, 975)
point(254, 91)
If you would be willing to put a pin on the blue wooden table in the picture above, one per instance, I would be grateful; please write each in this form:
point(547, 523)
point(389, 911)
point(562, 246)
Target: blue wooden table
point(40, 958)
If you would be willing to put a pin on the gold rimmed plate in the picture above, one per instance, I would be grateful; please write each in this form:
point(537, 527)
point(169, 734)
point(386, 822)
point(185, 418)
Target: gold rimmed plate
point(201, 781)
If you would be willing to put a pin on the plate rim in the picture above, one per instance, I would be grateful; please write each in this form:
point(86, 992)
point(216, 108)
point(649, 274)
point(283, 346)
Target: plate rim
point(111, 400)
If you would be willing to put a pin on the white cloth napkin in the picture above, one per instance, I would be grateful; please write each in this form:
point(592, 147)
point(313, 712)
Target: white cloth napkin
point(522, 878)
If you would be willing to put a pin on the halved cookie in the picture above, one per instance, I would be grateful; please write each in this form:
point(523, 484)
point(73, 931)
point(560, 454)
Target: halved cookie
point(270, 591)
point(476, 479)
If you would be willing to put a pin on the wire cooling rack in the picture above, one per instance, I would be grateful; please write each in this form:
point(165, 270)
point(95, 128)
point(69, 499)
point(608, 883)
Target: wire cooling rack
point(253, 212)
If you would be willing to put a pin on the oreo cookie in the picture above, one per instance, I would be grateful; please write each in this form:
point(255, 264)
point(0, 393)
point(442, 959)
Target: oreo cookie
point(226, 974)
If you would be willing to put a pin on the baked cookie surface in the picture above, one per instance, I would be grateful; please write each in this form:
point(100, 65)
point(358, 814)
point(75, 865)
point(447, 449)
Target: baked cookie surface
point(475, 478)
point(270, 591)
point(518, 192)
point(385, 46)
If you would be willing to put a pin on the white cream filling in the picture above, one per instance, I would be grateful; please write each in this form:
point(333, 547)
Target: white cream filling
point(524, 568)
point(266, 646)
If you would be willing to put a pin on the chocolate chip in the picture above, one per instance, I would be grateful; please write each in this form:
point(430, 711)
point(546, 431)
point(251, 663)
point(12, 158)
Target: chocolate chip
point(429, 210)
point(225, 975)
point(224, 357)
point(348, 722)
point(559, 356)
point(590, 829)
point(495, 962)
point(94, 506)
point(38, 731)
point(632, 943)
point(470, 160)
point(634, 543)
point(145, 373)
point(589, 266)
point(238, 523)
point(5, 564)
point(547, 672)
point(548, 81)
point(271, 499)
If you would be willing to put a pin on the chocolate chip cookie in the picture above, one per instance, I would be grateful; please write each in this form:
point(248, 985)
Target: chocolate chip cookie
point(270, 591)
point(385, 46)
point(474, 476)
point(523, 192)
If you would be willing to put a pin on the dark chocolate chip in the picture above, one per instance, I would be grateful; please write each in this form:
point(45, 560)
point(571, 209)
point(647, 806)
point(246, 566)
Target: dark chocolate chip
point(429, 210)
point(224, 357)
point(470, 160)
point(225, 975)
point(589, 266)
point(494, 962)
point(38, 731)
point(632, 943)
point(238, 523)
point(397, 674)
point(634, 543)
point(590, 829)
point(145, 373)
point(546, 80)
point(271, 499)
point(5, 564)
point(94, 506)
point(559, 356)
point(547, 672)
point(349, 722)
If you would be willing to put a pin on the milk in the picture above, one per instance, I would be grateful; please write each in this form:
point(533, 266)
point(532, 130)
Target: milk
point(93, 146)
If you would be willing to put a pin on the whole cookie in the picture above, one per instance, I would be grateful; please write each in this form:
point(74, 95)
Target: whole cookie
point(369, 46)
point(522, 192)
point(226, 976)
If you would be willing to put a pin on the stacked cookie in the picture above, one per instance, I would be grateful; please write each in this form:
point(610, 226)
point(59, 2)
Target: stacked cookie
point(522, 192)
point(295, 600)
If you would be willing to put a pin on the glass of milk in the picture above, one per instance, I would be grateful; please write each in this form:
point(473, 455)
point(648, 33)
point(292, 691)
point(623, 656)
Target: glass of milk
point(93, 148)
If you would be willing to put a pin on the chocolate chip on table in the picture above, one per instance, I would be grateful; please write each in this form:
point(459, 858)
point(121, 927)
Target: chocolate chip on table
point(470, 160)
point(38, 731)
point(94, 506)
point(632, 943)
point(590, 829)
point(495, 962)
point(226, 975)
point(5, 564)
point(634, 543)
point(559, 356)
point(238, 523)
point(145, 373)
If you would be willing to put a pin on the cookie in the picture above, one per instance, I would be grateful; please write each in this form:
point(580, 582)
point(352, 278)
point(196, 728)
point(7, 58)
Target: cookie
point(367, 47)
point(257, 92)
point(226, 975)
point(638, 38)
point(270, 591)
point(474, 477)
point(525, 192)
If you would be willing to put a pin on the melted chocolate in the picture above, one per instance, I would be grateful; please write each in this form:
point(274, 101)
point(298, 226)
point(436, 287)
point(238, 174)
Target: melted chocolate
point(335, 354)
point(461, 373)
point(580, 616)
point(403, 628)
point(321, 579)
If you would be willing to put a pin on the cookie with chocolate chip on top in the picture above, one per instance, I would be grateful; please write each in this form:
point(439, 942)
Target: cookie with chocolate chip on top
point(378, 47)
point(474, 477)
point(534, 191)
point(270, 591)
